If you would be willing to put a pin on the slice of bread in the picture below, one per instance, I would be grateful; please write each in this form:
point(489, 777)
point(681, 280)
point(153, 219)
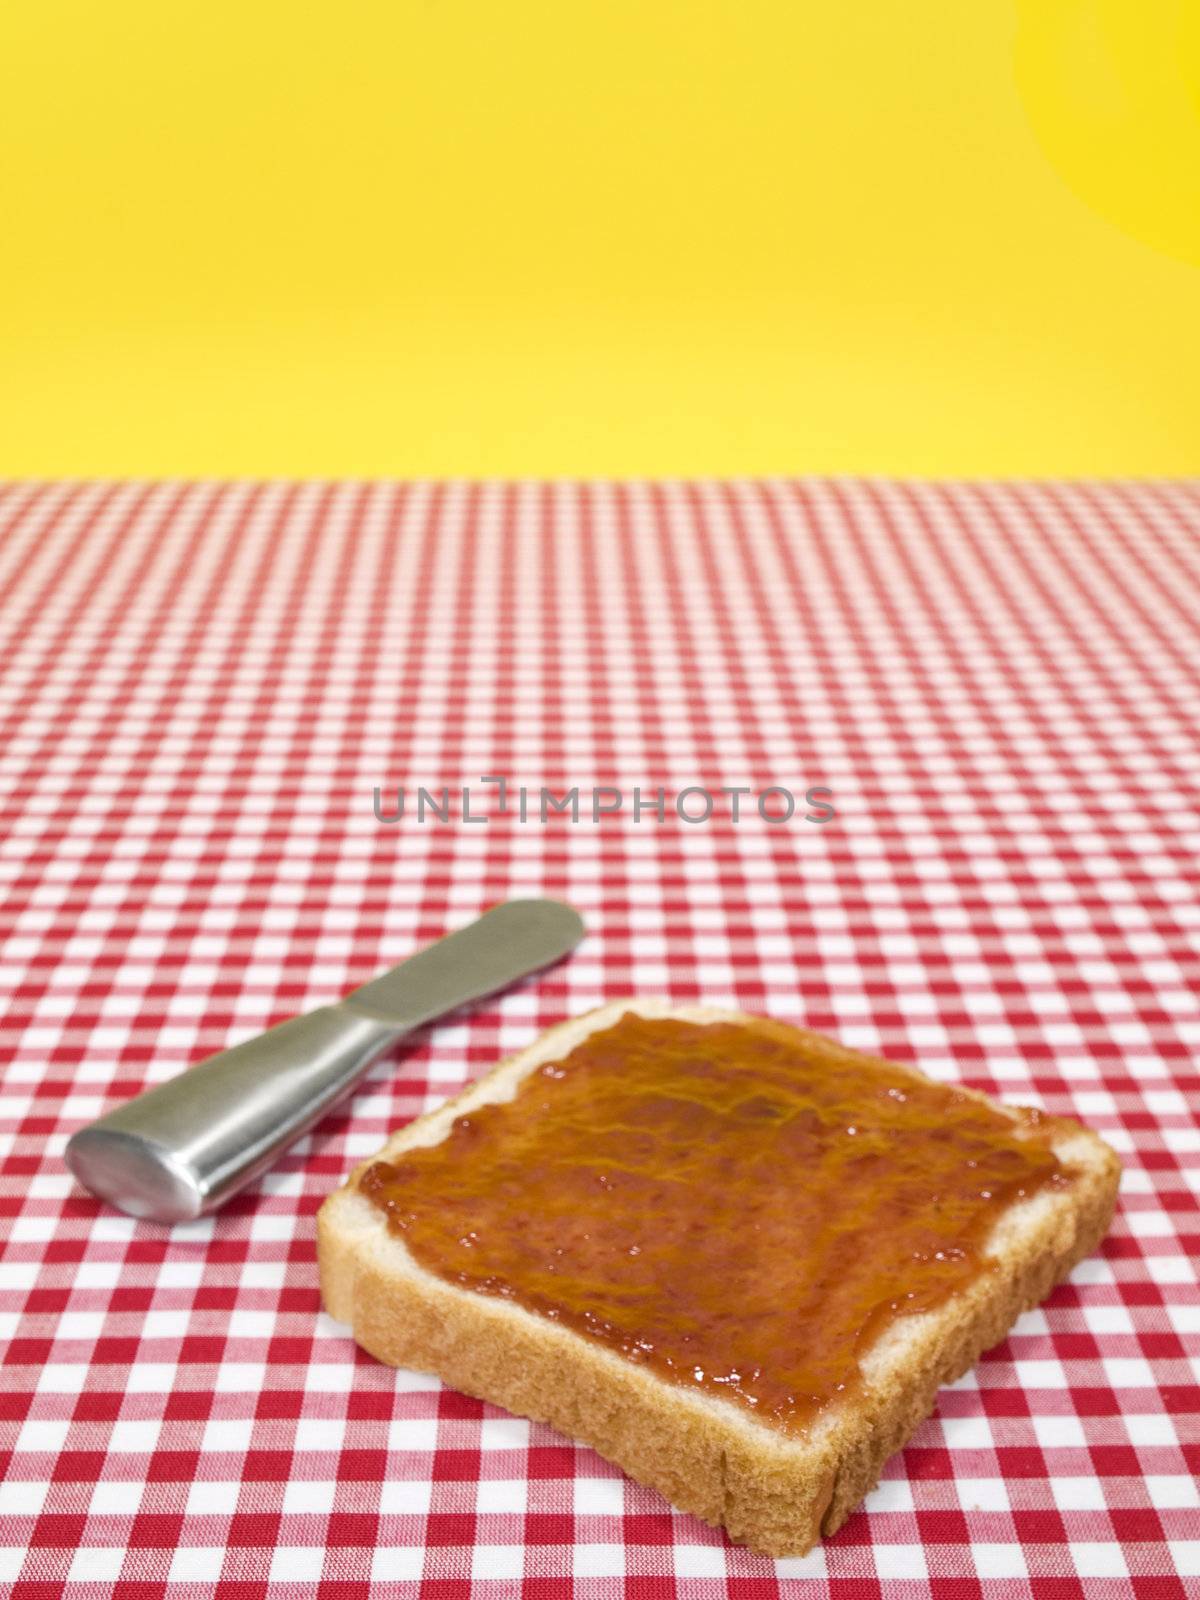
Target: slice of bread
point(774, 1490)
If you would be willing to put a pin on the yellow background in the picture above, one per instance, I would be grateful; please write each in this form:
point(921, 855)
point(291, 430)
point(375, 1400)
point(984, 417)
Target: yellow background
point(598, 237)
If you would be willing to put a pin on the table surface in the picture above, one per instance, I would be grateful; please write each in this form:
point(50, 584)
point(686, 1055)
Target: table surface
point(203, 685)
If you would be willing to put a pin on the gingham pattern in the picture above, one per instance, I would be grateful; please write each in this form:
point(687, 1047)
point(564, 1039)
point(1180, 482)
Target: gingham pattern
point(203, 685)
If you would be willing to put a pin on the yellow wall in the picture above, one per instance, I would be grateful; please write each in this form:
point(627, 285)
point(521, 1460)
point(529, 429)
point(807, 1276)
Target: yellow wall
point(599, 236)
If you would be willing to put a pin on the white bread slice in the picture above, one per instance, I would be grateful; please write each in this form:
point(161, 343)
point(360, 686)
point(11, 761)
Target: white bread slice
point(776, 1492)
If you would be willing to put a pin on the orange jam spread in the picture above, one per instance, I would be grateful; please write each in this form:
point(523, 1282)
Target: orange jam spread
point(735, 1206)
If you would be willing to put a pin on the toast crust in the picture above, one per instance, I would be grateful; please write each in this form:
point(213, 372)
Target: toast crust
point(776, 1492)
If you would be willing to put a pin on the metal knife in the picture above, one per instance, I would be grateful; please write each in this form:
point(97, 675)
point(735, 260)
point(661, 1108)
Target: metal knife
point(184, 1147)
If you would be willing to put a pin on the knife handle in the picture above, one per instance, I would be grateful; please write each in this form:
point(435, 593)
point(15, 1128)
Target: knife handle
point(185, 1146)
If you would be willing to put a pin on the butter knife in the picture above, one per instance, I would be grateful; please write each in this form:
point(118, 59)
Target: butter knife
point(186, 1146)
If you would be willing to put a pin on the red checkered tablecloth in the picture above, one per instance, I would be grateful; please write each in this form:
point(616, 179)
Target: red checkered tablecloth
point(203, 686)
